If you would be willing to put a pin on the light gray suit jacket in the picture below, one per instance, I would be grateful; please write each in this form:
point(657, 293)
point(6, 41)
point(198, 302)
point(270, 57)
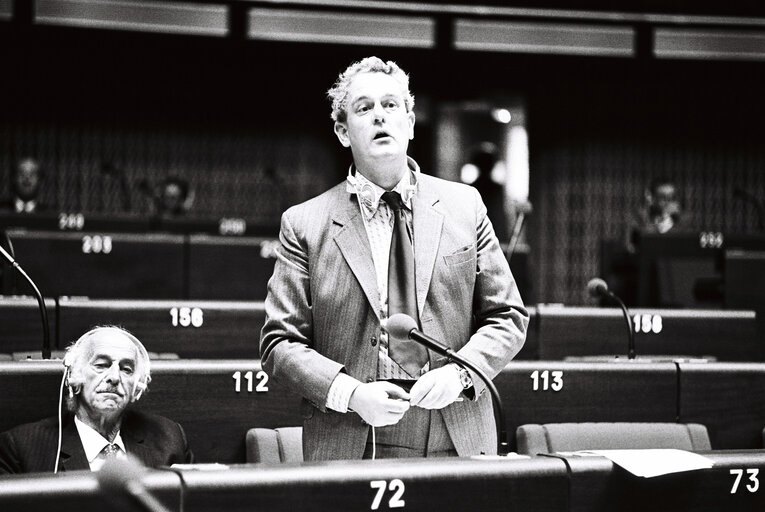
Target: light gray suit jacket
point(322, 308)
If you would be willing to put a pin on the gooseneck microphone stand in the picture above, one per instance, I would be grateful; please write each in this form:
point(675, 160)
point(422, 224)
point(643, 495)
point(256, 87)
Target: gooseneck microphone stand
point(40, 301)
point(402, 326)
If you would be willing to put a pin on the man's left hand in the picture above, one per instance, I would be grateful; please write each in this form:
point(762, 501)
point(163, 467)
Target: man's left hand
point(436, 389)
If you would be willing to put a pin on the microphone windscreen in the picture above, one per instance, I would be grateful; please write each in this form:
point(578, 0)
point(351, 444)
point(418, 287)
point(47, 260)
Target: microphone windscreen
point(116, 474)
point(597, 287)
point(400, 325)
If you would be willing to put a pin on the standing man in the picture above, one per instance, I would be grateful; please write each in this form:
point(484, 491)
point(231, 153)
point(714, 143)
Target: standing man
point(107, 369)
point(389, 240)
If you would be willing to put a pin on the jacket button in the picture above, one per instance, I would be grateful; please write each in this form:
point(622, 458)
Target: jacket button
point(370, 379)
point(373, 341)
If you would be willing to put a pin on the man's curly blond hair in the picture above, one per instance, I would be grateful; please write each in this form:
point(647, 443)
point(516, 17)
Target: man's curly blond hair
point(338, 93)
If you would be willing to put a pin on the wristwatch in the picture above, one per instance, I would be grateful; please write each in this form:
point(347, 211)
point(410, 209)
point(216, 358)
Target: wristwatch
point(465, 379)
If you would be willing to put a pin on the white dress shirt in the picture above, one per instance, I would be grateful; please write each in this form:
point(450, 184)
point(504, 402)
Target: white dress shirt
point(378, 222)
point(93, 443)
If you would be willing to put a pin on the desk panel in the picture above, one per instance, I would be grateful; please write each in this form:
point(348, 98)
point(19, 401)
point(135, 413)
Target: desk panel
point(78, 491)
point(215, 401)
point(101, 265)
point(557, 392)
point(226, 268)
point(192, 329)
point(574, 331)
point(423, 484)
point(21, 325)
point(599, 485)
point(728, 398)
point(415, 484)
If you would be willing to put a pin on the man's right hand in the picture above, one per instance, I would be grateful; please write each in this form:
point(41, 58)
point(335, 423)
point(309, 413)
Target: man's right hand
point(379, 403)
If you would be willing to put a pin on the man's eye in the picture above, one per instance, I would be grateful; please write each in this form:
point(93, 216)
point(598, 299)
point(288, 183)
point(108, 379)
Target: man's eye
point(391, 105)
point(362, 109)
point(128, 370)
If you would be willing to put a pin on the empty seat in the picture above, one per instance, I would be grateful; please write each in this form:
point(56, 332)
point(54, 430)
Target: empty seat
point(283, 444)
point(565, 437)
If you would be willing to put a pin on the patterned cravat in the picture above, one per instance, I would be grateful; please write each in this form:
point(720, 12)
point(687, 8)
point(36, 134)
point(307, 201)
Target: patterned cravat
point(110, 451)
point(410, 355)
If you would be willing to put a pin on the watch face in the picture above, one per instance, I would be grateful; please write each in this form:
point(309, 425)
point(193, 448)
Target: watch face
point(465, 379)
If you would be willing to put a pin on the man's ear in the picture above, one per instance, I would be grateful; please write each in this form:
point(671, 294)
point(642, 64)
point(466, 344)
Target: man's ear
point(341, 130)
point(410, 115)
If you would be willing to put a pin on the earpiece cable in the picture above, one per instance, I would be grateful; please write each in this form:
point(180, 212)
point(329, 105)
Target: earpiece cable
point(60, 405)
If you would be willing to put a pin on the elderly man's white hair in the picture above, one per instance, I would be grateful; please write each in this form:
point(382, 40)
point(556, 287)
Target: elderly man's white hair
point(338, 94)
point(77, 354)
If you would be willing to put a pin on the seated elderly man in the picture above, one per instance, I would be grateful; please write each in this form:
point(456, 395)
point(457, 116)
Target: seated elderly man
point(106, 370)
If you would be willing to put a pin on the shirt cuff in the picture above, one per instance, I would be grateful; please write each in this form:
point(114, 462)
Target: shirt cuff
point(340, 392)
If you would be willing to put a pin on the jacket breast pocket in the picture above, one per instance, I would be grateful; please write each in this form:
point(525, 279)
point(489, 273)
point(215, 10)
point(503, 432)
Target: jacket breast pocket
point(460, 256)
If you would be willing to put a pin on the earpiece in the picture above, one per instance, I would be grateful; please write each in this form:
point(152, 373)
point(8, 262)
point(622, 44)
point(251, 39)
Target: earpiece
point(73, 378)
point(138, 388)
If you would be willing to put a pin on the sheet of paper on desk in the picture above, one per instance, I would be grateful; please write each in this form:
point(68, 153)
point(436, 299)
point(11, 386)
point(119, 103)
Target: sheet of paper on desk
point(653, 462)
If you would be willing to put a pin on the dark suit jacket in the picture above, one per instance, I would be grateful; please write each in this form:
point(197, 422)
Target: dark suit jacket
point(322, 309)
point(152, 439)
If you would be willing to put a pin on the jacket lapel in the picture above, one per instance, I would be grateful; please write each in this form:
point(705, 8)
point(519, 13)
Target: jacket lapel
point(354, 245)
point(72, 453)
point(428, 223)
point(135, 446)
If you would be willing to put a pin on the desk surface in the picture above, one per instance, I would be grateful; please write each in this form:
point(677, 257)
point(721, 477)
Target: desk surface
point(552, 483)
point(599, 485)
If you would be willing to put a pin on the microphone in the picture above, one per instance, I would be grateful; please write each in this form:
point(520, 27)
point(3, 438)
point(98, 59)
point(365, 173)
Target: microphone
point(403, 327)
point(598, 288)
point(40, 301)
point(119, 477)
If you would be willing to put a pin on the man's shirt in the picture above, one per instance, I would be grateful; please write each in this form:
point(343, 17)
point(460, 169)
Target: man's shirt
point(93, 443)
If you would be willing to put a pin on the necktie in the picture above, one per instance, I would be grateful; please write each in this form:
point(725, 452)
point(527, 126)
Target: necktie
point(411, 356)
point(110, 451)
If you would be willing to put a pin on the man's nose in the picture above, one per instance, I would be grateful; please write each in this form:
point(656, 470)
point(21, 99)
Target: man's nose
point(113, 374)
point(379, 112)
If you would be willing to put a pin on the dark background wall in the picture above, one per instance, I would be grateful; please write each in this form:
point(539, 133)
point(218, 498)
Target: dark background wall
point(247, 123)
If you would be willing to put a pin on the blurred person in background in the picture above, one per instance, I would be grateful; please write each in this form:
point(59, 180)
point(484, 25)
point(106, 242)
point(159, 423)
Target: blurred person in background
point(484, 158)
point(660, 212)
point(26, 178)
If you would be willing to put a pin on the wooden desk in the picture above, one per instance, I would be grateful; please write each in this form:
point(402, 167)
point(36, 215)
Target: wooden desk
point(555, 483)
point(728, 398)
point(79, 491)
point(413, 484)
point(104, 265)
point(192, 329)
point(554, 392)
point(21, 326)
point(577, 331)
point(599, 485)
point(230, 268)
